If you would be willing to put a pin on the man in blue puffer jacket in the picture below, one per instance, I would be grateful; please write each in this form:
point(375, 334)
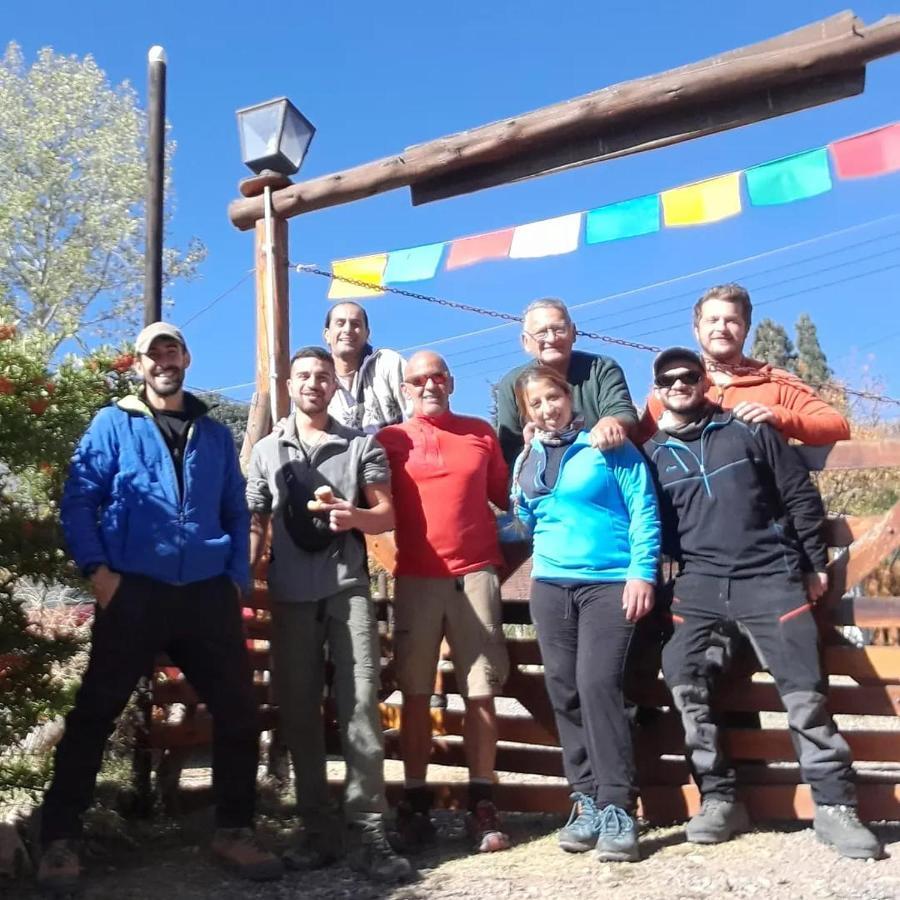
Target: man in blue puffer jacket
point(154, 515)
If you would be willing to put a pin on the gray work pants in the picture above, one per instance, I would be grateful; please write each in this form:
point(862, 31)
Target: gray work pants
point(346, 622)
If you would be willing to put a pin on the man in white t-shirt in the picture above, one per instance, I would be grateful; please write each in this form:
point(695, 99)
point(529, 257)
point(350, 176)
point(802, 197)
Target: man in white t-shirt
point(368, 395)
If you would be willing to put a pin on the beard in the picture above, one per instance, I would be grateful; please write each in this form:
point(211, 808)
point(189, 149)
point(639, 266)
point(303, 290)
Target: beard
point(172, 384)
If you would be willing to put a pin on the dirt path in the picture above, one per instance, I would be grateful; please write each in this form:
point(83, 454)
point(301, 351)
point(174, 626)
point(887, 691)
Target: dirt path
point(169, 862)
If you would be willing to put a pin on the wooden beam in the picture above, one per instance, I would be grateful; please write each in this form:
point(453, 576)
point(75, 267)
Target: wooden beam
point(852, 455)
point(839, 46)
point(657, 131)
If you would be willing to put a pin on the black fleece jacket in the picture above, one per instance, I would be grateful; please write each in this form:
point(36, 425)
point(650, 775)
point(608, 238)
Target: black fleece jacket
point(737, 501)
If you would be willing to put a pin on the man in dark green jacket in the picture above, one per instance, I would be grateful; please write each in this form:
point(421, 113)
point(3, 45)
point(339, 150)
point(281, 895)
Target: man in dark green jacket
point(599, 391)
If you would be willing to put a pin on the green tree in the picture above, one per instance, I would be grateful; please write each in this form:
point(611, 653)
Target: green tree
point(771, 344)
point(43, 413)
point(229, 412)
point(812, 364)
point(72, 152)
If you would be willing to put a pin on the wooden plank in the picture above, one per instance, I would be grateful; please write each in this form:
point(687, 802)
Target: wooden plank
point(852, 455)
point(837, 45)
point(743, 696)
point(384, 549)
point(867, 612)
point(841, 531)
point(196, 731)
point(864, 555)
point(865, 664)
point(664, 804)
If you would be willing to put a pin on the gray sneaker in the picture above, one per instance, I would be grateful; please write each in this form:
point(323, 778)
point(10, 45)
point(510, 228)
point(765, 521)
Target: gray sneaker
point(369, 853)
point(617, 839)
point(718, 821)
point(839, 826)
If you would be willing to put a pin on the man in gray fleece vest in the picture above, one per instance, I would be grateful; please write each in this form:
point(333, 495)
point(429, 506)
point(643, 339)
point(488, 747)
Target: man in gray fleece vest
point(319, 590)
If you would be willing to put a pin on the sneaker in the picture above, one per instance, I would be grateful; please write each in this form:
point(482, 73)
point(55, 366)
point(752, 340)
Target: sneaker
point(839, 826)
point(413, 831)
point(483, 825)
point(579, 834)
point(617, 839)
point(240, 850)
point(59, 870)
point(718, 821)
point(370, 854)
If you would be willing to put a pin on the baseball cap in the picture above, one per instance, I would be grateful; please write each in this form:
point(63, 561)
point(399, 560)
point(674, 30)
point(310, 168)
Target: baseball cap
point(156, 330)
point(672, 354)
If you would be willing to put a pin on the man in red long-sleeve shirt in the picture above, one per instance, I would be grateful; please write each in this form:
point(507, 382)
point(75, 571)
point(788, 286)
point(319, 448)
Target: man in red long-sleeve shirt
point(754, 392)
point(444, 470)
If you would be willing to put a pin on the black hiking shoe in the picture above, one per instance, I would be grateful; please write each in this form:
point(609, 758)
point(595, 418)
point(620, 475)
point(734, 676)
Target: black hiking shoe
point(839, 827)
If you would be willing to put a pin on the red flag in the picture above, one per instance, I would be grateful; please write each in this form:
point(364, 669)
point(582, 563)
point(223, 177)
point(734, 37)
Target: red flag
point(466, 251)
point(874, 153)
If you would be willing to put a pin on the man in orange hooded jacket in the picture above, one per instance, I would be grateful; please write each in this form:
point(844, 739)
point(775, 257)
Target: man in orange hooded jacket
point(754, 391)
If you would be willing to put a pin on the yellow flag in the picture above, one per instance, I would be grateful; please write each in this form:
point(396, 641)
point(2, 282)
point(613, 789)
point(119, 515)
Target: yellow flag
point(361, 268)
point(704, 201)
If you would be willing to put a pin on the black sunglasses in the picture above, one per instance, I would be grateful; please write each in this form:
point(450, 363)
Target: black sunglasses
point(690, 377)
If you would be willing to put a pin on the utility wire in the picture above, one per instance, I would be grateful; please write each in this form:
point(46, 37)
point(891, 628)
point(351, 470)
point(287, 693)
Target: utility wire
point(221, 296)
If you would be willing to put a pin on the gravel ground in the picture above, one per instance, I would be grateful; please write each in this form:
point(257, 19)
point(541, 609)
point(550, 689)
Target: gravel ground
point(167, 860)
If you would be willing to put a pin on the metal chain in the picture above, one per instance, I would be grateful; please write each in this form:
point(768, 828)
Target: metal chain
point(465, 307)
point(511, 317)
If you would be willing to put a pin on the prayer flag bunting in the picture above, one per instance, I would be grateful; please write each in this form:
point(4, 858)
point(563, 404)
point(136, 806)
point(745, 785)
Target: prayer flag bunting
point(792, 178)
point(704, 201)
point(629, 218)
point(362, 268)
point(873, 153)
point(549, 237)
point(413, 264)
point(466, 251)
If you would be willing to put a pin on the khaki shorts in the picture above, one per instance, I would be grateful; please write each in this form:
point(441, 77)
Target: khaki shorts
point(465, 608)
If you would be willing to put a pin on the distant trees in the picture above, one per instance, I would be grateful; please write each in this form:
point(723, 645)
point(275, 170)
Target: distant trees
point(772, 345)
point(72, 201)
point(806, 358)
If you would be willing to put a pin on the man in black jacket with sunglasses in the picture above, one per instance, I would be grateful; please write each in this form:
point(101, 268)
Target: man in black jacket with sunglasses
point(740, 515)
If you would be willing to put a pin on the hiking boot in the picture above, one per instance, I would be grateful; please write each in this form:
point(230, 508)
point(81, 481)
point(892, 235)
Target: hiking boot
point(718, 821)
point(617, 839)
point(370, 854)
point(315, 851)
point(413, 831)
point(240, 850)
point(839, 826)
point(59, 871)
point(483, 825)
point(579, 834)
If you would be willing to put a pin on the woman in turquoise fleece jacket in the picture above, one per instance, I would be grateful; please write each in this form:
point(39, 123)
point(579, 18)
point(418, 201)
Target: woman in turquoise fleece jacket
point(595, 524)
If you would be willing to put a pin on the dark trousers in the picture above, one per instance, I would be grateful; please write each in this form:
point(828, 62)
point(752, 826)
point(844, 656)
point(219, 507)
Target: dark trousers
point(773, 613)
point(199, 626)
point(584, 639)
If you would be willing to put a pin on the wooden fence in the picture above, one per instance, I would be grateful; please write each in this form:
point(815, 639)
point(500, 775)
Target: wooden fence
point(865, 688)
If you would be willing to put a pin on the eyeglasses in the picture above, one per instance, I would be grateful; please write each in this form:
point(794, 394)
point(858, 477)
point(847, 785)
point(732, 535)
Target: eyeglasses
point(691, 377)
point(439, 379)
point(548, 334)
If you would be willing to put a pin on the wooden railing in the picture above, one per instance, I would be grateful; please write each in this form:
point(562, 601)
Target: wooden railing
point(865, 687)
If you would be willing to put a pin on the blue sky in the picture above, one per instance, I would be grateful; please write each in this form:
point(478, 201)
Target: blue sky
point(375, 78)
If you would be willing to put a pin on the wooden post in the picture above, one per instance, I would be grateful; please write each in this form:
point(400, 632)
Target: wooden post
point(271, 391)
